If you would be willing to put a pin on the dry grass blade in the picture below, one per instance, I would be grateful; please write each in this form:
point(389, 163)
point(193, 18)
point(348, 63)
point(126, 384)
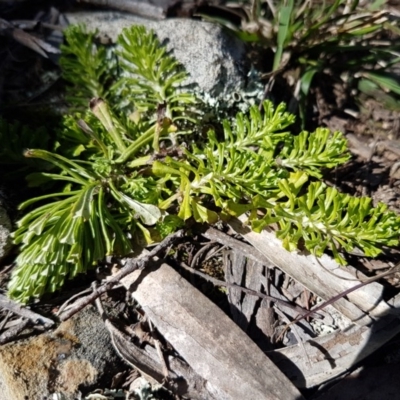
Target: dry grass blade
point(34, 43)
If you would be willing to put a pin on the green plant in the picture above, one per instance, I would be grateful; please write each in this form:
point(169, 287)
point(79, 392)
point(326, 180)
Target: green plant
point(129, 175)
point(337, 41)
point(84, 53)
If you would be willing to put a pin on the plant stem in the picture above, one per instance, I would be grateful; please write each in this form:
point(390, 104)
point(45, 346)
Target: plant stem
point(81, 177)
point(146, 138)
point(100, 109)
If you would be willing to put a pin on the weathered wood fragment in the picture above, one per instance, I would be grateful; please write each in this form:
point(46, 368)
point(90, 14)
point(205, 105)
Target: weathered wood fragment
point(336, 353)
point(212, 344)
point(322, 276)
point(374, 321)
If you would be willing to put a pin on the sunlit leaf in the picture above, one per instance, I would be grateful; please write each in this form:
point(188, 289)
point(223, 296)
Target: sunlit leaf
point(149, 214)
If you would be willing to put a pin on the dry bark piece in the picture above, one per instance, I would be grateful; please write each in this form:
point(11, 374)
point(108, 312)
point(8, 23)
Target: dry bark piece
point(18, 309)
point(333, 354)
point(252, 281)
point(210, 342)
point(322, 276)
point(265, 319)
point(234, 267)
point(336, 353)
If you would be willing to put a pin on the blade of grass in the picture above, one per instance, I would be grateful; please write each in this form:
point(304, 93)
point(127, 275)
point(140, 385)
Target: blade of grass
point(386, 82)
point(285, 15)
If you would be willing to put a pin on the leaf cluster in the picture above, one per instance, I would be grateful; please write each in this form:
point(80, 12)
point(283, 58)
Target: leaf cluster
point(87, 64)
point(127, 175)
point(102, 203)
point(246, 173)
point(133, 79)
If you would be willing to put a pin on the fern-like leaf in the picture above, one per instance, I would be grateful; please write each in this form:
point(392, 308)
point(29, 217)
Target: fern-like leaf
point(150, 75)
point(312, 151)
point(323, 218)
point(87, 66)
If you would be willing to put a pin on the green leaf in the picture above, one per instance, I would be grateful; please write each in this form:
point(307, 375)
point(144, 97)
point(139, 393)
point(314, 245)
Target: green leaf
point(385, 81)
point(185, 211)
point(86, 65)
point(83, 206)
point(169, 224)
point(149, 214)
point(73, 169)
point(152, 75)
point(203, 214)
point(313, 151)
point(68, 230)
point(285, 15)
point(146, 234)
point(306, 80)
point(236, 209)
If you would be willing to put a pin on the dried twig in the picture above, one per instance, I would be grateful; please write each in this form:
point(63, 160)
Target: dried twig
point(248, 291)
point(244, 248)
point(11, 333)
point(71, 299)
point(131, 264)
point(16, 308)
point(394, 269)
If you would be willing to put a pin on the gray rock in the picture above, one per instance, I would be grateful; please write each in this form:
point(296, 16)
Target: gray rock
point(5, 231)
point(213, 58)
point(57, 364)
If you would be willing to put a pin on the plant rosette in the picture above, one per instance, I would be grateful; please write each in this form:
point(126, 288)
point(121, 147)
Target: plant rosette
point(138, 165)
